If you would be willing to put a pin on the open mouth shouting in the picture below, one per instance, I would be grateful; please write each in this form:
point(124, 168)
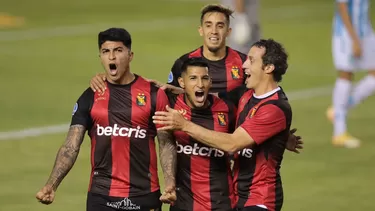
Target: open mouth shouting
point(113, 69)
point(199, 96)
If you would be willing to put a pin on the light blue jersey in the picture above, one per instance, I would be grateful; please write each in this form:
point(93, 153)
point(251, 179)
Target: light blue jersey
point(359, 15)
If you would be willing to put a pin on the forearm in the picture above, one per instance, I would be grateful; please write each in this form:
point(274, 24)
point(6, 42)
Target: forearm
point(168, 157)
point(239, 6)
point(344, 14)
point(218, 140)
point(65, 160)
point(66, 156)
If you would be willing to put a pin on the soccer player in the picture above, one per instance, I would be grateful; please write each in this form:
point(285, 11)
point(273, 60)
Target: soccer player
point(124, 173)
point(245, 24)
point(353, 47)
point(263, 121)
point(204, 178)
point(225, 64)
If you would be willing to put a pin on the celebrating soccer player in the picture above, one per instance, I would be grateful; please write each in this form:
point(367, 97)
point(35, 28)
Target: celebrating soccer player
point(204, 178)
point(263, 121)
point(124, 172)
point(225, 64)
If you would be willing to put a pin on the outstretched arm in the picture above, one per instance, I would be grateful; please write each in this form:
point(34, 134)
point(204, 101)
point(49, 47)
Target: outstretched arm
point(66, 155)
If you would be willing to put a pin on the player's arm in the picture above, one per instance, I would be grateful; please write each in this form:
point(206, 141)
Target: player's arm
point(67, 155)
point(68, 152)
point(344, 14)
point(167, 152)
point(268, 121)
point(239, 6)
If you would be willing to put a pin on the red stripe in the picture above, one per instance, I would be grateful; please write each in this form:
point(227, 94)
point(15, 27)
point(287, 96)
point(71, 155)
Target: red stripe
point(196, 53)
point(153, 166)
point(201, 168)
point(93, 144)
point(99, 115)
point(235, 75)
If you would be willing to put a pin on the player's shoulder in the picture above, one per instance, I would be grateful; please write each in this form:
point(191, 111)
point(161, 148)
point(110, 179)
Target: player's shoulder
point(194, 53)
point(221, 104)
point(88, 93)
point(241, 55)
point(280, 100)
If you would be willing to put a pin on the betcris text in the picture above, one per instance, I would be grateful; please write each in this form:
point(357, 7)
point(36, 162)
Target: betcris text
point(121, 131)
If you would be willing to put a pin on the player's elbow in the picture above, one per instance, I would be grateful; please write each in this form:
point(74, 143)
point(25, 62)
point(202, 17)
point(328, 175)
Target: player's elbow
point(232, 148)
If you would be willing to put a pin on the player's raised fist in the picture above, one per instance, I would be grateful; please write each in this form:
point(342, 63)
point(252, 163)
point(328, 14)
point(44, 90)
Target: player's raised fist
point(46, 195)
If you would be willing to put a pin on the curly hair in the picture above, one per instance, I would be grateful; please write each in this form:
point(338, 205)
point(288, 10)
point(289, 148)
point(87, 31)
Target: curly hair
point(276, 55)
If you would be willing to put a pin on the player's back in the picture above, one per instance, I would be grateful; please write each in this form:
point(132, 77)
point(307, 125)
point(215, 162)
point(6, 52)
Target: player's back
point(257, 179)
point(359, 15)
point(123, 155)
point(226, 74)
point(204, 178)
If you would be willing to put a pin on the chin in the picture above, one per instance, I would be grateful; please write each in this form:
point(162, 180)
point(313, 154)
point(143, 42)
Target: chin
point(213, 48)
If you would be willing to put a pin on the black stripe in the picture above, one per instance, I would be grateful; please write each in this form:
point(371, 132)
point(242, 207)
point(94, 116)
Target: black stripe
point(140, 176)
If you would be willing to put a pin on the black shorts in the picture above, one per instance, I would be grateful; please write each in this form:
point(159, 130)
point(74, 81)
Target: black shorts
point(174, 208)
point(251, 208)
point(98, 202)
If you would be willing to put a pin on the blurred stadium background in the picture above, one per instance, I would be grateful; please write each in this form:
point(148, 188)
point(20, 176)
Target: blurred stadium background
point(48, 53)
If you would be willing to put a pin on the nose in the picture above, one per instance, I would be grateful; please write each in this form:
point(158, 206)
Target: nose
point(200, 83)
point(112, 55)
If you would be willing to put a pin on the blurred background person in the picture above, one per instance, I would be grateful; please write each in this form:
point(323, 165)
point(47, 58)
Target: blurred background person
point(245, 24)
point(353, 48)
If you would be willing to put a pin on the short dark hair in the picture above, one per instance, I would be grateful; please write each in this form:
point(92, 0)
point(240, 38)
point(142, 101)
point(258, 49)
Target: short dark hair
point(276, 55)
point(115, 34)
point(195, 62)
point(216, 8)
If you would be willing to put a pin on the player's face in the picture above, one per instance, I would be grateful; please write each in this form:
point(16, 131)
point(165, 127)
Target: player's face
point(214, 30)
point(254, 68)
point(115, 58)
point(196, 83)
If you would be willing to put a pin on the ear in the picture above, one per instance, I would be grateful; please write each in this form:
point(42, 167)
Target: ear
point(269, 68)
point(229, 31)
point(200, 30)
point(181, 82)
point(131, 55)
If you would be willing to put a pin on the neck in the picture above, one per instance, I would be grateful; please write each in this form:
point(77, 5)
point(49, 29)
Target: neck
point(264, 88)
point(214, 56)
point(127, 78)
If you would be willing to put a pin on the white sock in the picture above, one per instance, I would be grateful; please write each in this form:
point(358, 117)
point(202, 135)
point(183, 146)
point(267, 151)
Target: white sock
point(341, 94)
point(362, 90)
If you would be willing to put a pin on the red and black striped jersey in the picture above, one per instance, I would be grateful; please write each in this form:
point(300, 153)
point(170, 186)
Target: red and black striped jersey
point(119, 123)
point(267, 119)
point(204, 179)
point(226, 73)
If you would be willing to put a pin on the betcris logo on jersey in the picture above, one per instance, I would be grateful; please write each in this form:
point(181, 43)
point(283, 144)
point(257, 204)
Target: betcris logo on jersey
point(199, 150)
point(121, 131)
point(247, 153)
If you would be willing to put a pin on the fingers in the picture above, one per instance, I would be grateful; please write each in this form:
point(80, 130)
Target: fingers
point(292, 131)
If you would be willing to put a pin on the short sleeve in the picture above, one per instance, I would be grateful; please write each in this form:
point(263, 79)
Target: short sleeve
point(82, 108)
point(175, 73)
point(268, 121)
point(161, 102)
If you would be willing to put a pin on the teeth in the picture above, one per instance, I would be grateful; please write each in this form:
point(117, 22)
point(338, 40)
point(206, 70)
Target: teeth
point(214, 39)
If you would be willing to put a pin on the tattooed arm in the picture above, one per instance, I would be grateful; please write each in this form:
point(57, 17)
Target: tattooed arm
point(168, 156)
point(65, 160)
point(67, 155)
